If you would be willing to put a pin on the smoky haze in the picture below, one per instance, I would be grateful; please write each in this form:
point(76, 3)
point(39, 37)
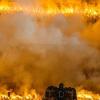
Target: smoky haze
point(39, 51)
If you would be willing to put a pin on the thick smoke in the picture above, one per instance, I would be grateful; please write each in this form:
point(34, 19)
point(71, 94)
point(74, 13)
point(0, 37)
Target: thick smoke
point(38, 51)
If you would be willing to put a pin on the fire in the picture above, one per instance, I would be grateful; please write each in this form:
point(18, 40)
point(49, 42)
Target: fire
point(87, 95)
point(52, 8)
point(8, 95)
point(82, 94)
point(7, 7)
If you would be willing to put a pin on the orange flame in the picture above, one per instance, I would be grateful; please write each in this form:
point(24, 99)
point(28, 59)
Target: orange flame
point(52, 8)
point(33, 95)
point(87, 95)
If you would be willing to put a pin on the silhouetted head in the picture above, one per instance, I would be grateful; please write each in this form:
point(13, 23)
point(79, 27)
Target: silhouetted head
point(61, 85)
